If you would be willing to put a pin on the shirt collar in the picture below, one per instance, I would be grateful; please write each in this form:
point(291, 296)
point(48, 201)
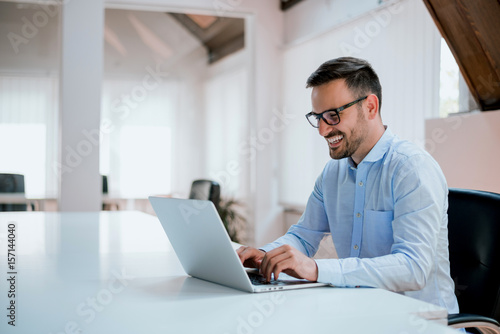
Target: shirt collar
point(381, 147)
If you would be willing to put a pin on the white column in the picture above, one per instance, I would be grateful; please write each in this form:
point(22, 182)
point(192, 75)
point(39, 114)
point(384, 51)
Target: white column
point(267, 73)
point(82, 26)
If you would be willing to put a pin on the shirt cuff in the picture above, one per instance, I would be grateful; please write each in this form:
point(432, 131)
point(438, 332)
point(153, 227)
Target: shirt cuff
point(269, 247)
point(330, 271)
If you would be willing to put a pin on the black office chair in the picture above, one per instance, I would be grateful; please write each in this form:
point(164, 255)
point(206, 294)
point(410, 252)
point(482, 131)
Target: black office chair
point(105, 184)
point(12, 184)
point(474, 244)
point(108, 204)
point(206, 190)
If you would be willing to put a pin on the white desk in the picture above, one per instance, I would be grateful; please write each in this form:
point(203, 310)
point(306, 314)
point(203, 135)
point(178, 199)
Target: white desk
point(67, 266)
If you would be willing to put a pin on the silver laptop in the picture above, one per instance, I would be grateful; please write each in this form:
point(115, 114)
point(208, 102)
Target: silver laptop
point(204, 249)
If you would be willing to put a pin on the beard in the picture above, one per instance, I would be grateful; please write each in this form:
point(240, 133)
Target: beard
point(350, 143)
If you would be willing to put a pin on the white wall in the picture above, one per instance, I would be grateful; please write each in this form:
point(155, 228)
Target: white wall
point(310, 18)
point(467, 149)
point(402, 44)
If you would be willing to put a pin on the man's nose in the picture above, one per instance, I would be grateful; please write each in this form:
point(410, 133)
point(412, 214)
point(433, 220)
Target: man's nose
point(323, 128)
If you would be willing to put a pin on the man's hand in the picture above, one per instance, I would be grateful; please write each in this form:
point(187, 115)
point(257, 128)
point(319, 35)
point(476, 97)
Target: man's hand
point(290, 261)
point(250, 257)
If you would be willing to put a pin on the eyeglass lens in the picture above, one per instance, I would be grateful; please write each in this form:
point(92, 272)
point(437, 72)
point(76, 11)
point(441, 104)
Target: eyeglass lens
point(331, 118)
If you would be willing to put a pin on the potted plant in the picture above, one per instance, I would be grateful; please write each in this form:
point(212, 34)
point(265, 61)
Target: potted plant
point(230, 214)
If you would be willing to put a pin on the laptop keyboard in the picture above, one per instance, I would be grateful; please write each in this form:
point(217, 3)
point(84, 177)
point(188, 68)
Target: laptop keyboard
point(257, 279)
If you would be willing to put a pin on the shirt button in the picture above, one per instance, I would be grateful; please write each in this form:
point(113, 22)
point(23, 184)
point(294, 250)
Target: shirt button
point(358, 214)
point(356, 247)
point(360, 183)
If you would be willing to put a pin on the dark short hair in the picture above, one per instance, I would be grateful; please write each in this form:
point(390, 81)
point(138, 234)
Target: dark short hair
point(359, 76)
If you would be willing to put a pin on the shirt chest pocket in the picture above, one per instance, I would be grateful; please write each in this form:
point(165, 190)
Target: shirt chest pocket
point(377, 233)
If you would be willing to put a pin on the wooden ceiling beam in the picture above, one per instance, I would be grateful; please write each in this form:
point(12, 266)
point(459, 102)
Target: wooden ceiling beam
point(471, 29)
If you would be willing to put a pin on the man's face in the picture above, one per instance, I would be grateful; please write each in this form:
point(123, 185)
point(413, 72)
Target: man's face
point(346, 138)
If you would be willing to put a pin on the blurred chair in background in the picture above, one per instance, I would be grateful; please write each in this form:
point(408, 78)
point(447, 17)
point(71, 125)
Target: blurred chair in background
point(12, 185)
point(108, 203)
point(205, 190)
point(105, 184)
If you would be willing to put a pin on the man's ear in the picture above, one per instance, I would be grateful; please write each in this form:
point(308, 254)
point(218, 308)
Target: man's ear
point(372, 105)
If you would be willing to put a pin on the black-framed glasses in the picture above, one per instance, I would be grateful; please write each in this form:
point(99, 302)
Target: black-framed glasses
point(331, 116)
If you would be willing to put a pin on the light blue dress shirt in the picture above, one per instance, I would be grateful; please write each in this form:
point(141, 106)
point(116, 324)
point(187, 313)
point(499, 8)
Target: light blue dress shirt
point(388, 221)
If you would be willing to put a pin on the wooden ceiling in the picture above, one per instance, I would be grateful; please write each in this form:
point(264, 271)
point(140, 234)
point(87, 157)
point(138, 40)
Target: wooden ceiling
point(220, 35)
point(472, 30)
point(287, 4)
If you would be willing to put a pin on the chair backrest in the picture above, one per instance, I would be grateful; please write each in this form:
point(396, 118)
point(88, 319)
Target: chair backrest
point(104, 184)
point(474, 244)
point(13, 184)
point(206, 190)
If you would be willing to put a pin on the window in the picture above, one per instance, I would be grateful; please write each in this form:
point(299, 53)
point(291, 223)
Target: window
point(136, 142)
point(28, 132)
point(145, 160)
point(449, 82)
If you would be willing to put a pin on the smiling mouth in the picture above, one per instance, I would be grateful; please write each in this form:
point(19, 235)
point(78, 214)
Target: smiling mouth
point(334, 141)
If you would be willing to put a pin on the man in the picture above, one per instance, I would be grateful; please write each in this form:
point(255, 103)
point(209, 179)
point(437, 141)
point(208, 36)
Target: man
point(383, 199)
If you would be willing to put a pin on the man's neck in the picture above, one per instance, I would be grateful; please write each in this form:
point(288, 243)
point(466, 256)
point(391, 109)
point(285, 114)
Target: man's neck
point(371, 141)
